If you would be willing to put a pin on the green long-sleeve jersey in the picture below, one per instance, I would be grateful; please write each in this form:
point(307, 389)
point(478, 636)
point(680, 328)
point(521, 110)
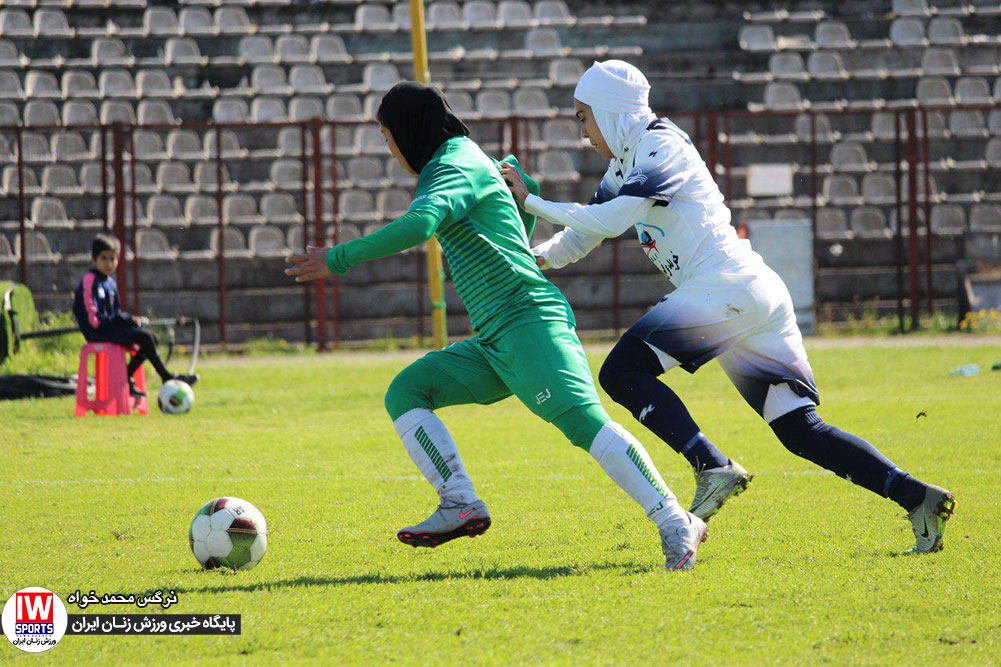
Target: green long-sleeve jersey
point(462, 199)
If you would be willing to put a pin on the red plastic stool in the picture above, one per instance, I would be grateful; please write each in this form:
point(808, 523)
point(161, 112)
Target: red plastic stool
point(111, 396)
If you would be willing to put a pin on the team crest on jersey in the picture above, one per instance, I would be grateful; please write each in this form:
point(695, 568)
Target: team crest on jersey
point(665, 260)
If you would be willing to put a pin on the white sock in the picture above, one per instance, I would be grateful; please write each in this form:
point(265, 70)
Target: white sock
point(626, 461)
point(431, 447)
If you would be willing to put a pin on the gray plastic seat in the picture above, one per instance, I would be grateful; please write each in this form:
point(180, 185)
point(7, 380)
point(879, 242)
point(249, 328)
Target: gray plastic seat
point(543, 42)
point(557, 165)
point(910, 8)
point(805, 128)
point(757, 38)
point(826, 65)
point(992, 154)
point(840, 188)
point(879, 189)
point(9, 56)
point(37, 248)
point(59, 178)
point(973, 90)
point(90, 178)
point(849, 156)
point(565, 71)
point(51, 23)
point(369, 140)
point(79, 112)
point(230, 110)
point(307, 78)
point(70, 146)
point(493, 103)
point(265, 109)
point(230, 144)
point(36, 147)
point(15, 23)
point(286, 173)
point(10, 182)
point(267, 241)
point(154, 83)
point(160, 22)
point(79, 83)
point(232, 21)
point(49, 213)
point(165, 211)
point(268, 79)
point(787, 66)
point(40, 112)
point(530, 101)
point(782, 96)
point(907, 31)
point(7, 256)
point(967, 124)
point(393, 202)
point(233, 243)
point(196, 21)
point(202, 210)
point(941, 62)
point(240, 208)
point(155, 112)
point(292, 49)
point(357, 205)
point(869, 222)
point(343, 105)
point(380, 76)
point(39, 83)
point(109, 51)
point(833, 35)
point(305, 108)
point(148, 145)
point(946, 30)
point(444, 14)
point(328, 49)
point(514, 13)
point(369, 16)
point(152, 244)
point(206, 177)
point(173, 176)
point(561, 133)
point(182, 51)
point(479, 12)
point(256, 49)
point(934, 91)
point(948, 219)
point(9, 115)
point(552, 11)
point(365, 169)
point(184, 145)
point(116, 83)
point(985, 218)
point(280, 207)
point(832, 224)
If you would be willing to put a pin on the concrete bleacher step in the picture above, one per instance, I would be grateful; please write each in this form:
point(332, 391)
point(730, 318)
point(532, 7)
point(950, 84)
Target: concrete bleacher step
point(867, 283)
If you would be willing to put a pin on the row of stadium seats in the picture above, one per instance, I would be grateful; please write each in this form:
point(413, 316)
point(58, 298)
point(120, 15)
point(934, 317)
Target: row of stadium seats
point(52, 22)
point(930, 91)
point(871, 222)
point(959, 8)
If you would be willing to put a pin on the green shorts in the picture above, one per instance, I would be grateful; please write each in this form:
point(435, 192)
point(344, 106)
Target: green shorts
point(542, 363)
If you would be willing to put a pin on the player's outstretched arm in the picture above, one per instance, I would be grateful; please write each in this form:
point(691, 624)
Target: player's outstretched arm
point(566, 247)
point(408, 231)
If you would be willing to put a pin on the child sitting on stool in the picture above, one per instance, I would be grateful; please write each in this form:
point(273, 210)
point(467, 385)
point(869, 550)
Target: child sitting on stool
point(99, 313)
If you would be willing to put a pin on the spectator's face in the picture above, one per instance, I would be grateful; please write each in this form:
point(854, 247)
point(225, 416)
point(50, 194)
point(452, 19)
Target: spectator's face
point(589, 129)
point(106, 262)
point(395, 150)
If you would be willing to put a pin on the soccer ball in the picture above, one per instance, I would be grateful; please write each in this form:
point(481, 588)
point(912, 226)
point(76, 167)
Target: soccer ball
point(175, 397)
point(228, 532)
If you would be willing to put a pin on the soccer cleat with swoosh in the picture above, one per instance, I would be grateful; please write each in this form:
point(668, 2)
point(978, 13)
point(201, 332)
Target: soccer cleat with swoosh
point(715, 486)
point(928, 519)
point(447, 523)
point(680, 542)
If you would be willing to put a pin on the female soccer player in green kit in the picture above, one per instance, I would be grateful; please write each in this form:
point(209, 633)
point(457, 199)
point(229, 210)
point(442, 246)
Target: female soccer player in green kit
point(525, 341)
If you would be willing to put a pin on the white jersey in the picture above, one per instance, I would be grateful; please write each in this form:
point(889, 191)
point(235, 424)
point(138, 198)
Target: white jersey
point(663, 188)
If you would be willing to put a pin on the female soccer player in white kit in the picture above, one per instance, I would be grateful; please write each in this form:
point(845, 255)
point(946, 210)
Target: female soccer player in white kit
point(727, 304)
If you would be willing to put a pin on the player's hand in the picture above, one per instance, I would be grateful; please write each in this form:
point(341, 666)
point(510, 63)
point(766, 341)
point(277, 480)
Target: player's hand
point(514, 183)
point(542, 262)
point(142, 321)
point(310, 265)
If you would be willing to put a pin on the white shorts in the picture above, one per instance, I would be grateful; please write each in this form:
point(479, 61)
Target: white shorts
point(747, 321)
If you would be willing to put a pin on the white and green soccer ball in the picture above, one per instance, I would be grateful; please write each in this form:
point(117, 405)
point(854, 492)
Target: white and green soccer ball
point(228, 532)
point(176, 397)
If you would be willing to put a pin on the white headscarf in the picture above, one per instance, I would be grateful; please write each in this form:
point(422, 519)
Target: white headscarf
point(619, 95)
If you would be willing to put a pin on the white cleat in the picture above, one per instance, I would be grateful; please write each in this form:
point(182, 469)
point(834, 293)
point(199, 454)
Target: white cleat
point(715, 486)
point(680, 542)
point(928, 519)
point(447, 523)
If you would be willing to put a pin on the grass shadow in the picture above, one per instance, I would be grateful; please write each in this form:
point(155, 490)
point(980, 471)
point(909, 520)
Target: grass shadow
point(509, 573)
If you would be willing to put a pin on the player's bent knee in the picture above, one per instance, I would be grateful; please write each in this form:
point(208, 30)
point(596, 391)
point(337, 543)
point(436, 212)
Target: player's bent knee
point(404, 394)
point(630, 355)
point(580, 425)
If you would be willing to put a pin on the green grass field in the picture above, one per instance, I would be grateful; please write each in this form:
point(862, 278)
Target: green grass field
point(803, 568)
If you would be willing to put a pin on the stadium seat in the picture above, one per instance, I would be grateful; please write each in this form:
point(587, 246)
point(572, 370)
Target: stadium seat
point(357, 206)
point(116, 83)
point(202, 210)
point(993, 121)
point(543, 42)
point(49, 212)
point(373, 17)
point(908, 32)
point(308, 79)
point(292, 49)
point(267, 241)
point(948, 219)
point(240, 208)
point(110, 52)
point(9, 115)
point(206, 177)
point(70, 147)
point(267, 109)
point(365, 171)
point(493, 103)
point(7, 256)
point(38, 249)
point(380, 76)
point(557, 166)
point(174, 177)
point(230, 144)
point(165, 211)
point(782, 96)
point(154, 83)
point(973, 90)
point(565, 71)
point(514, 14)
point(36, 147)
point(232, 21)
point(182, 51)
point(826, 66)
point(15, 23)
point(269, 80)
point(152, 244)
point(833, 35)
point(155, 112)
point(841, 190)
point(396, 174)
point(196, 22)
point(967, 124)
point(832, 224)
point(444, 14)
point(286, 174)
point(561, 133)
point(940, 62)
point(344, 106)
point(39, 84)
point(79, 83)
point(934, 91)
point(10, 85)
point(184, 145)
point(280, 207)
point(480, 13)
point(992, 154)
point(90, 178)
point(234, 244)
point(849, 156)
point(946, 31)
point(787, 66)
point(822, 125)
point(461, 102)
point(10, 183)
point(985, 218)
point(328, 49)
point(160, 22)
point(531, 102)
point(256, 49)
point(369, 140)
point(869, 223)
point(910, 8)
point(907, 225)
point(79, 112)
point(393, 203)
point(757, 38)
point(879, 189)
point(230, 110)
point(40, 112)
point(148, 145)
point(51, 23)
point(305, 108)
point(294, 239)
point(549, 12)
point(9, 56)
